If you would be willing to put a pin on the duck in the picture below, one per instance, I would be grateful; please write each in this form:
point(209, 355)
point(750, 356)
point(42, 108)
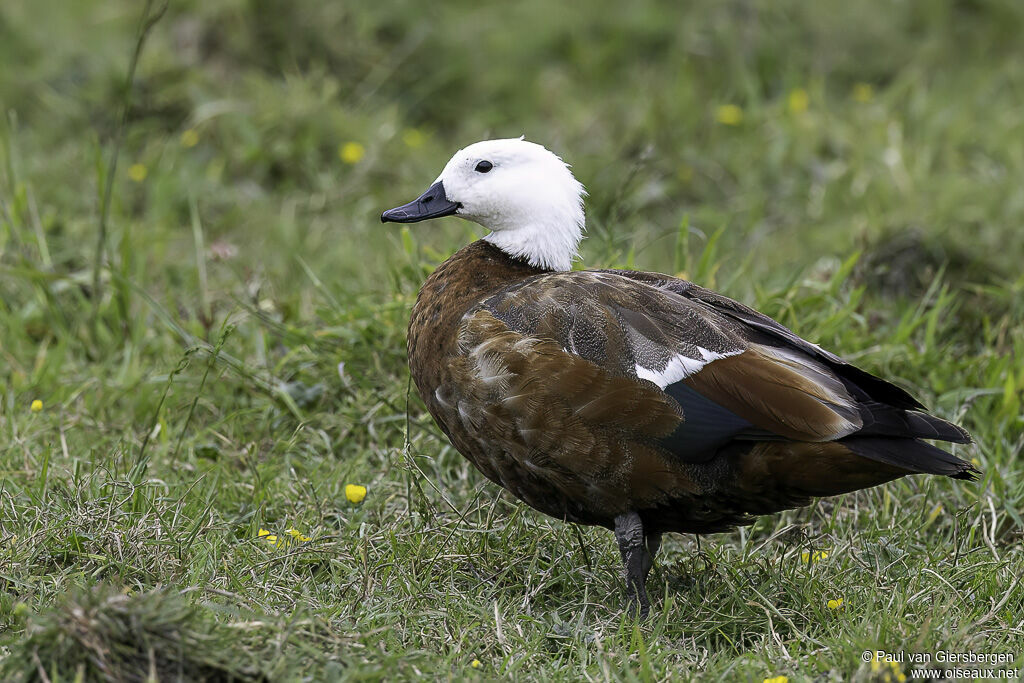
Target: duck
point(631, 400)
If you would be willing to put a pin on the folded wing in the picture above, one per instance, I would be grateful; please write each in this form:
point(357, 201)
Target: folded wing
point(736, 374)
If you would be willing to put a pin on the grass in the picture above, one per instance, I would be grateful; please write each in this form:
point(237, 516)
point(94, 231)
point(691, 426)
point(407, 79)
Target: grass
point(240, 358)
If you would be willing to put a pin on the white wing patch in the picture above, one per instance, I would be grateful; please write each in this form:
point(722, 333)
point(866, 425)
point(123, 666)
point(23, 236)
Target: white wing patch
point(680, 367)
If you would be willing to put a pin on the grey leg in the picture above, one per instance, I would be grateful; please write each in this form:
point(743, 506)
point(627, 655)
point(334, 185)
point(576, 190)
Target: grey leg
point(636, 560)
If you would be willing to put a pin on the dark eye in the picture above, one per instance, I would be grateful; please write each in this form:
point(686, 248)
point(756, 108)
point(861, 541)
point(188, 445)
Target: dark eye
point(484, 167)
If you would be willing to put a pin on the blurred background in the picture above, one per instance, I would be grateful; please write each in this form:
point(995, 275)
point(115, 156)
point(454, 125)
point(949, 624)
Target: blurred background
point(801, 129)
point(237, 352)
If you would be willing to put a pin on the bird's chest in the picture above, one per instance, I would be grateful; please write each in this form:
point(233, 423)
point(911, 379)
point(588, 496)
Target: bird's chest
point(440, 371)
point(436, 359)
point(467, 396)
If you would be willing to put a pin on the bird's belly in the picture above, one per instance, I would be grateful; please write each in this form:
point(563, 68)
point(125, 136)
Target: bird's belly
point(617, 475)
point(504, 455)
point(572, 469)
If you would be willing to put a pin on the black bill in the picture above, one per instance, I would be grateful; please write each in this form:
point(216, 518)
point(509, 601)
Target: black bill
point(431, 204)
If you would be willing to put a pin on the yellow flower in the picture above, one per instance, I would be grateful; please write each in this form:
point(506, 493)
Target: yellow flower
point(190, 138)
point(777, 679)
point(798, 100)
point(476, 664)
point(281, 541)
point(413, 137)
point(729, 114)
point(816, 556)
point(294, 533)
point(863, 92)
point(355, 493)
point(37, 405)
point(138, 172)
point(835, 604)
point(351, 152)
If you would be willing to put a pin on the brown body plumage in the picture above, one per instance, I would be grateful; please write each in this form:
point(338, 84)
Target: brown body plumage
point(585, 441)
point(631, 400)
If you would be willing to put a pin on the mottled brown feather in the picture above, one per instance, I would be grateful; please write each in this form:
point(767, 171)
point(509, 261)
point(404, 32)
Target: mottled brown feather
point(533, 377)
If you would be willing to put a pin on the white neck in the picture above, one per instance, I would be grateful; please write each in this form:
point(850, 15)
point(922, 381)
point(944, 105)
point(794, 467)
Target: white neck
point(542, 246)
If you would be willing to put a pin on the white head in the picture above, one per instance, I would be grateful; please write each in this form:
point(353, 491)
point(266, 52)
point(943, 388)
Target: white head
point(525, 195)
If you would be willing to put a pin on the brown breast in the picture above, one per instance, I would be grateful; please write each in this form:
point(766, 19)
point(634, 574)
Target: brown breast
point(470, 276)
point(493, 443)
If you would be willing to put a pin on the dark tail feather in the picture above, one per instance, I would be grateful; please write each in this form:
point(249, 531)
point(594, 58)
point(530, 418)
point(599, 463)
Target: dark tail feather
point(875, 387)
point(883, 420)
point(912, 455)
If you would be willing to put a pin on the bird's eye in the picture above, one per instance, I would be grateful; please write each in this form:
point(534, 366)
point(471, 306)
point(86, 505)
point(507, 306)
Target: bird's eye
point(484, 167)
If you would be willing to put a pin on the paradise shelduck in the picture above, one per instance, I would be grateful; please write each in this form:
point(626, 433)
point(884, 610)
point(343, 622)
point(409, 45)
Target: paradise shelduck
point(635, 401)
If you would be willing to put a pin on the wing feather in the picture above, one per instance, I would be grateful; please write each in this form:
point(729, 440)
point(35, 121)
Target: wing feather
point(748, 377)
